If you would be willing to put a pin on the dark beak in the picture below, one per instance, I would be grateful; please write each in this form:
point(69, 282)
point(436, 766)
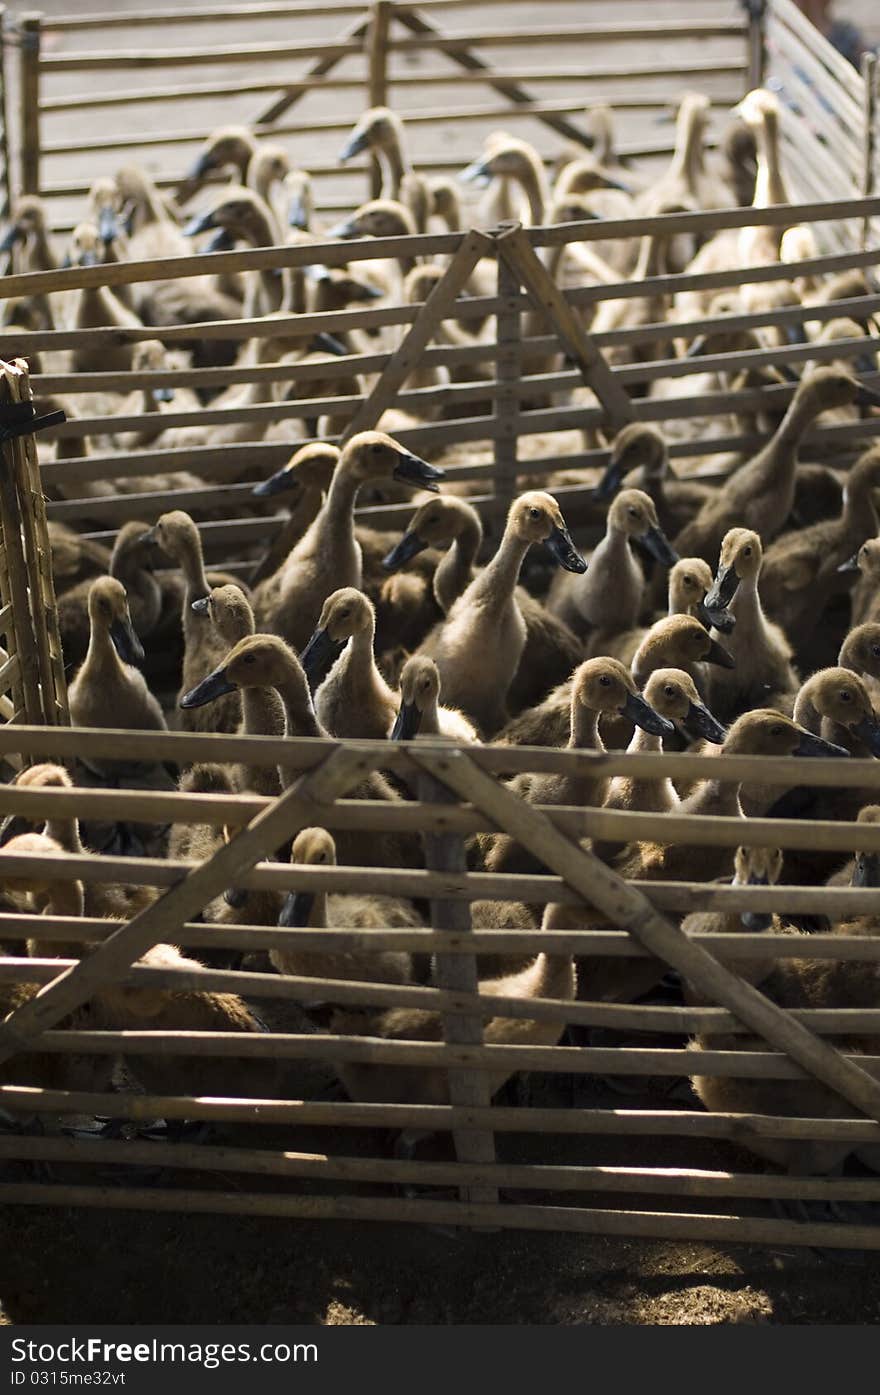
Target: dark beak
point(406, 723)
point(644, 716)
point(410, 546)
point(795, 333)
point(364, 291)
point(656, 542)
point(719, 655)
point(10, 237)
point(280, 483)
point(201, 166)
point(565, 552)
point(866, 871)
point(298, 214)
point(476, 173)
point(413, 470)
point(318, 654)
point(355, 145)
point(222, 241)
point(347, 228)
point(868, 730)
point(720, 619)
point(201, 222)
point(696, 347)
point(866, 397)
point(610, 481)
point(126, 642)
point(236, 897)
point(756, 920)
point(163, 394)
point(810, 745)
point(700, 722)
point(328, 344)
point(201, 605)
point(87, 259)
point(723, 589)
point(215, 685)
point(852, 565)
point(108, 225)
point(296, 910)
point(12, 826)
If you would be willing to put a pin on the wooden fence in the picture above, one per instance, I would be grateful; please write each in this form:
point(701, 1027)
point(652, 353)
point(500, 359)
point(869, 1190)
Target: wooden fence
point(513, 413)
point(459, 793)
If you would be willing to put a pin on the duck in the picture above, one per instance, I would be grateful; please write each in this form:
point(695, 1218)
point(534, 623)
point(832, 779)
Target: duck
point(381, 131)
point(690, 581)
point(420, 712)
point(599, 686)
point(101, 900)
point(860, 650)
point(329, 555)
point(479, 646)
point(266, 661)
point(760, 494)
point(305, 478)
point(96, 307)
point(321, 910)
point(865, 597)
point(639, 459)
point(108, 690)
point(227, 148)
point(177, 536)
point(687, 181)
point(763, 659)
point(802, 570)
point(751, 867)
point(353, 699)
point(246, 217)
point(607, 599)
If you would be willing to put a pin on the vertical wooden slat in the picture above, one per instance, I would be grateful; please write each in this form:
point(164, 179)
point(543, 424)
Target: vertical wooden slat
point(5, 183)
point(508, 371)
point(29, 28)
point(16, 568)
point(458, 973)
point(869, 136)
point(377, 75)
point(757, 53)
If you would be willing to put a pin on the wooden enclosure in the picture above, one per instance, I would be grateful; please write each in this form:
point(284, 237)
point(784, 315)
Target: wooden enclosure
point(459, 792)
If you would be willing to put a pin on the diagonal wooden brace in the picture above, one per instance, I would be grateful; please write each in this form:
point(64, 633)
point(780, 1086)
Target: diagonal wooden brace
point(293, 91)
point(516, 249)
point(406, 357)
point(631, 909)
point(163, 919)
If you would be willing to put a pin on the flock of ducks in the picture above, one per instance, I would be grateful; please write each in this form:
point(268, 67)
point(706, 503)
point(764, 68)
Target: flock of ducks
point(736, 614)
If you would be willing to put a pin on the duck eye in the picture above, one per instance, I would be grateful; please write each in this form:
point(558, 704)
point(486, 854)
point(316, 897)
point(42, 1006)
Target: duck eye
point(747, 552)
point(688, 580)
point(845, 695)
point(604, 680)
point(376, 447)
point(669, 690)
point(534, 513)
point(777, 731)
point(633, 513)
point(250, 658)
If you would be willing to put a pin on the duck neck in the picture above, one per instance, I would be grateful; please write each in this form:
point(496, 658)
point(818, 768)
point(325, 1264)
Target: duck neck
point(65, 832)
point(361, 664)
point(338, 513)
point(751, 622)
point(859, 514)
point(584, 728)
point(396, 166)
point(533, 180)
point(805, 711)
point(769, 183)
point(300, 718)
point(66, 898)
point(192, 564)
point(430, 718)
point(500, 576)
point(687, 161)
point(802, 412)
point(455, 569)
point(716, 797)
point(262, 712)
point(102, 663)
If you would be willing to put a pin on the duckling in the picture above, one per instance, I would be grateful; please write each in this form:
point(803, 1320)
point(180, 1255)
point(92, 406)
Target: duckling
point(761, 493)
point(100, 899)
point(517, 160)
point(687, 180)
point(762, 655)
point(380, 130)
point(95, 307)
point(860, 650)
point(865, 596)
point(44, 896)
point(478, 648)
point(802, 570)
point(305, 478)
point(608, 598)
point(107, 690)
point(640, 460)
point(751, 867)
point(419, 713)
point(445, 202)
point(229, 610)
point(229, 147)
point(690, 581)
point(354, 699)
point(598, 686)
point(836, 704)
point(320, 910)
point(382, 218)
point(328, 555)
point(75, 557)
point(129, 565)
point(246, 217)
point(28, 235)
point(265, 661)
point(177, 536)
point(548, 976)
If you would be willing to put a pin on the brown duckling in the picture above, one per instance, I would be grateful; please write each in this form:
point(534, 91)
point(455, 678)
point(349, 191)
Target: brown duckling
point(107, 690)
point(420, 713)
point(353, 699)
point(860, 651)
point(865, 598)
point(763, 671)
point(751, 867)
point(304, 481)
point(607, 599)
point(640, 460)
point(760, 494)
point(479, 647)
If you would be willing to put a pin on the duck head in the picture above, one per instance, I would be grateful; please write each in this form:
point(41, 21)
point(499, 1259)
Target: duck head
point(108, 612)
point(238, 211)
point(757, 867)
point(419, 692)
point(739, 560)
point(380, 128)
point(866, 561)
point(229, 610)
point(606, 685)
point(36, 777)
point(673, 693)
point(311, 467)
point(345, 613)
point(436, 523)
point(839, 695)
point(690, 580)
point(175, 534)
point(634, 513)
point(374, 455)
point(679, 641)
point(860, 650)
point(151, 356)
point(229, 146)
point(536, 517)
point(258, 661)
point(312, 847)
point(866, 867)
point(635, 445)
point(29, 220)
point(377, 218)
point(764, 732)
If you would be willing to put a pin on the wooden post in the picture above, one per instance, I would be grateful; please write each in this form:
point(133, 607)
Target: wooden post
point(869, 78)
point(5, 181)
point(458, 973)
point(508, 371)
point(377, 76)
point(757, 52)
point(29, 28)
